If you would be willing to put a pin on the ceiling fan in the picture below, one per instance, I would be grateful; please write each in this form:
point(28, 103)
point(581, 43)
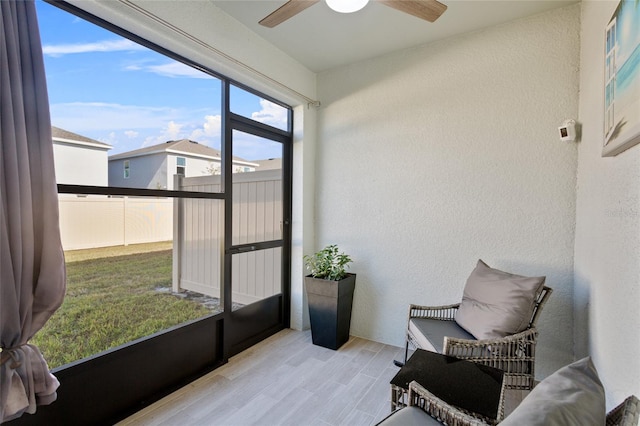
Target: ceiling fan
point(429, 10)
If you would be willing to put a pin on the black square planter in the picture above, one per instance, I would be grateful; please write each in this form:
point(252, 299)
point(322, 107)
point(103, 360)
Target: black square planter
point(330, 310)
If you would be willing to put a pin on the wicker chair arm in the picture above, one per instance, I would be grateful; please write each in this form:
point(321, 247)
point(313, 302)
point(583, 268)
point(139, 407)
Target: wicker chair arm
point(528, 335)
point(437, 408)
point(515, 354)
point(444, 312)
point(625, 414)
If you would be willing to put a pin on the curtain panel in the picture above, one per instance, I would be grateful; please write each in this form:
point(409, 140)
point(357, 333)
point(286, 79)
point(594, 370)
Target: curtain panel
point(32, 270)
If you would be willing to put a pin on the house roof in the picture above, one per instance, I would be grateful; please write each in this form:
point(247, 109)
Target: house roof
point(269, 163)
point(65, 136)
point(185, 146)
point(182, 146)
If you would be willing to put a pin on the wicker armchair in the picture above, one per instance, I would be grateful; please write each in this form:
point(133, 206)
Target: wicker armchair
point(427, 409)
point(440, 410)
point(625, 414)
point(514, 354)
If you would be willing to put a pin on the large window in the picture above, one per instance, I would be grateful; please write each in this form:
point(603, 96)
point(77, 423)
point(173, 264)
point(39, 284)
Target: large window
point(144, 241)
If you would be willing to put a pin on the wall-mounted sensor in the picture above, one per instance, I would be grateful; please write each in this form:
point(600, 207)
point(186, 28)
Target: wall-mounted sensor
point(568, 131)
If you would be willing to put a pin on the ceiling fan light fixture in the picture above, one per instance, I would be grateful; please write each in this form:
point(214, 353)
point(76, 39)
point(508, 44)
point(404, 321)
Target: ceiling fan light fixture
point(346, 6)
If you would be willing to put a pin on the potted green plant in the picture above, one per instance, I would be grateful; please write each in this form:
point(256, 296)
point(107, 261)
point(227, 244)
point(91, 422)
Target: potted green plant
point(330, 295)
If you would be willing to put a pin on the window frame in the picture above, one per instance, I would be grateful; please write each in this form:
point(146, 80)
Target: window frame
point(181, 166)
point(206, 343)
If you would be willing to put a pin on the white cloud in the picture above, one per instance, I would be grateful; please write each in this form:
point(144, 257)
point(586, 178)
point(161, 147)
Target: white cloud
point(88, 117)
point(210, 130)
point(212, 125)
point(271, 114)
point(149, 140)
point(129, 127)
point(172, 69)
point(197, 135)
point(173, 130)
point(111, 139)
point(98, 46)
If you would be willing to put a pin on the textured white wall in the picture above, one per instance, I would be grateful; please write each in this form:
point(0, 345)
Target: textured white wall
point(433, 157)
point(607, 248)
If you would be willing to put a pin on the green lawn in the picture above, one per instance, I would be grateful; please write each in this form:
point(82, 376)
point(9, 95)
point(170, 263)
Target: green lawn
point(114, 295)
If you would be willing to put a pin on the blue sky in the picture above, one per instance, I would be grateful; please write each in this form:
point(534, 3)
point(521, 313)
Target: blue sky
point(111, 89)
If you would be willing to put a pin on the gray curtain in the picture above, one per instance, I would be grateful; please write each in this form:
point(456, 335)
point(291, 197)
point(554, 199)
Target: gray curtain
point(32, 271)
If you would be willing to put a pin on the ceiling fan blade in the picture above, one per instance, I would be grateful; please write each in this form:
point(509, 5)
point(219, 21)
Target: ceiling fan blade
point(286, 11)
point(429, 10)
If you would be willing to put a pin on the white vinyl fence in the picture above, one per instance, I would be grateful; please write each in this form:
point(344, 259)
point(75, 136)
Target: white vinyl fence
point(196, 227)
point(199, 228)
point(102, 221)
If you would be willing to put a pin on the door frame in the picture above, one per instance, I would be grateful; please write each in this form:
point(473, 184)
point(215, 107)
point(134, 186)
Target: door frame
point(253, 323)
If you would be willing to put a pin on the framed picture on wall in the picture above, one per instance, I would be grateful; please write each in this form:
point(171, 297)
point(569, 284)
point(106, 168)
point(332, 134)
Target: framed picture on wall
point(622, 79)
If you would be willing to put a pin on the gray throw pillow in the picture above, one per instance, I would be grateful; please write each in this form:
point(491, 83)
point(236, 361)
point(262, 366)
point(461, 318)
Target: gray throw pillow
point(572, 395)
point(496, 303)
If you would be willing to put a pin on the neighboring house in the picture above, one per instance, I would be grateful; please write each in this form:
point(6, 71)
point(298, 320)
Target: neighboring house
point(79, 160)
point(269, 164)
point(154, 166)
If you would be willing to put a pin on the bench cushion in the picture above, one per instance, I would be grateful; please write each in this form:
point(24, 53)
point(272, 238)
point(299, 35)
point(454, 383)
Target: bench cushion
point(429, 333)
point(497, 303)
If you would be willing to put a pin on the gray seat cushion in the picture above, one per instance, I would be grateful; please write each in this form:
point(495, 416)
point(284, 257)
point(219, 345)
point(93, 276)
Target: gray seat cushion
point(409, 416)
point(430, 333)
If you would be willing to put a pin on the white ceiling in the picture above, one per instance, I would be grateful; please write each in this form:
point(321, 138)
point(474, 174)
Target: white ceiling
point(322, 39)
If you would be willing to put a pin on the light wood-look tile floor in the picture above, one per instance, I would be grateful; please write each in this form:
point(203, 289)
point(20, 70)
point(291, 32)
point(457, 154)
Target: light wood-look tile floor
point(286, 380)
